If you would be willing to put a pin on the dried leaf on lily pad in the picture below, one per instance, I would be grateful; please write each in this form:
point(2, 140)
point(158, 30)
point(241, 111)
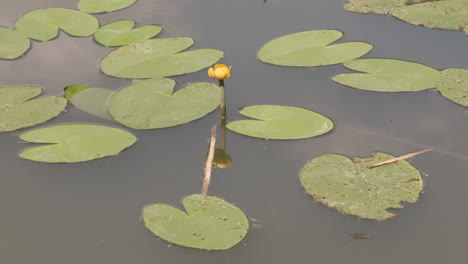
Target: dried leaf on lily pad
point(75, 143)
point(13, 43)
point(209, 223)
point(151, 104)
point(121, 33)
point(101, 6)
point(281, 122)
point(453, 84)
point(157, 58)
point(351, 188)
point(92, 100)
point(388, 75)
point(311, 48)
point(44, 24)
point(448, 14)
point(373, 6)
point(17, 111)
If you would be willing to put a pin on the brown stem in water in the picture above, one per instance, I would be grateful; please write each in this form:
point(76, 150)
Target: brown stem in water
point(209, 162)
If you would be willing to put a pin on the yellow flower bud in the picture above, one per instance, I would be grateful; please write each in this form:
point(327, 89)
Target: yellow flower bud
point(219, 71)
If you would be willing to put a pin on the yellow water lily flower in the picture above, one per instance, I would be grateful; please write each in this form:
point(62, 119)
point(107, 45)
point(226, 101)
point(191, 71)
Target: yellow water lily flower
point(219, 71)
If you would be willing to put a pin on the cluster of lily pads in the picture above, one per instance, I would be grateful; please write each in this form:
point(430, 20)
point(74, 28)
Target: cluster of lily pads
point(349, 186)
point(442, 14)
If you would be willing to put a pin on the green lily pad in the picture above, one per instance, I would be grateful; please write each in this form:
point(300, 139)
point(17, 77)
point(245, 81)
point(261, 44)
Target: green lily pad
point(94, 101)
point(157, 58)
point(43, 24)
point(17, 112)
point(75, 143)
point(101, 6)
point(210, 223)
point(351, 188)
point(150, 104)
point(451, 14)
point(13, 43)
point(453, 84)
point(373, 6)
point(281, 122)
point(388, 75)
point(310, 48)
point(121, 33)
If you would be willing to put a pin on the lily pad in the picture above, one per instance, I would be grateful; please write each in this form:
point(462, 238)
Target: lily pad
point(44, 24)
point(210, 223)
point(388, 75)
point(13, 43)
point(94, 101)
point(150, 104)
point(451, 14)
point(373, 6)
point(157, 58)
point(17, 112)
point(310, 48)
point(281, 122)
point(75, 143)
point(101, 6)
point(351, 188)
point(453, 84)
point(121, 33)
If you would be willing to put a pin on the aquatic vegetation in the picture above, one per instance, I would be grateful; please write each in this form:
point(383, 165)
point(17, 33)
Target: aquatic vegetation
point(311, 48)
point(281, 122)
point(13, 43)
point(92, 100)
point(44, 24)
point(350, 187)
point(120, 33)
point(75, 143)
point(18, 111)
point(101, 6)
point(209, 223)
point(219, 71)
point(453, 84)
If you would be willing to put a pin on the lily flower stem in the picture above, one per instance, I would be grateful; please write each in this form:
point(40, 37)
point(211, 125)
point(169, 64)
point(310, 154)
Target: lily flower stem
point(222, 105)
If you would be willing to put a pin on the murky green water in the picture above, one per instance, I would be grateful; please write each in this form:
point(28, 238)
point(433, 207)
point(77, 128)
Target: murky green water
point(89, 212)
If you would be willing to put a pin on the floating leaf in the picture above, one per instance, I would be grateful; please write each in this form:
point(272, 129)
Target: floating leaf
point(13, 43)
point(16, 112)
point(310, 48)
point(43, 24)
point(210, 223)
point(75, 143)
point(452, 14)
point(101, 6)
point(281, 122)
point(373, 6)
point(352, 188)
point(453, 84)
point(157, 58)
point(94, 101)
point(388, 75)
point(121, 33)
point(150, 104)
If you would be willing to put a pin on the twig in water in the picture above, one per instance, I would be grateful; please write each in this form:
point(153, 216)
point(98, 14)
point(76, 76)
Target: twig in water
point(209, 162)
point(407, 156)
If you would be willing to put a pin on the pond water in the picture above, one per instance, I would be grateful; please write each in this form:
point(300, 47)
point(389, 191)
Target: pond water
point(90, 212)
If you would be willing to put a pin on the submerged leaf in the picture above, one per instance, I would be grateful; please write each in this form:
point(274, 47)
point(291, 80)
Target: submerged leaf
point(72, 90)
point(373, 6)
point(310, 48)
point(101, 6)
point(353, 188)
point(157, 58)
point(451, 14)
point(388, 75)
point(281, 122)
point(17, 112)
point(94, 101)
point(13, 43)
point(209, 223)
point(150, 104)
point(43, 24)
point(75, 143)
point(453, 84)
point(121, 33)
